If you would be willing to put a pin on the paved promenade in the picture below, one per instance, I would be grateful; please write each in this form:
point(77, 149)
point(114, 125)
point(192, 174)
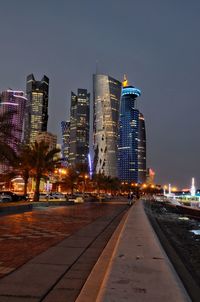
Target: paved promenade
point(90, 265)
point(138, 269)
point(25, 235)
point(62, 245)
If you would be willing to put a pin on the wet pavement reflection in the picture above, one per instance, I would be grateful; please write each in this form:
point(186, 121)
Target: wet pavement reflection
point(25, 235)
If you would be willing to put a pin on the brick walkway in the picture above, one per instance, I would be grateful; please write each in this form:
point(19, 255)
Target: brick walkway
point(25, 235)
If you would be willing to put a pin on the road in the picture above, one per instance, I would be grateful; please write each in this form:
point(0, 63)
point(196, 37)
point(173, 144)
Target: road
point(25, 235)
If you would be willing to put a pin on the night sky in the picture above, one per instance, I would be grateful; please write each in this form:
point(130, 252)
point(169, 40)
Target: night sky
point(155, 42)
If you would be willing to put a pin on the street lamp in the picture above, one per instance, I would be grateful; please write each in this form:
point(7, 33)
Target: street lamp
point(85, 179)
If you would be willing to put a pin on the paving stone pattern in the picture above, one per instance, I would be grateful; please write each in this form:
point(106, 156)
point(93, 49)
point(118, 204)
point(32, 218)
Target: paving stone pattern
point(60, 271)
point(23, 236)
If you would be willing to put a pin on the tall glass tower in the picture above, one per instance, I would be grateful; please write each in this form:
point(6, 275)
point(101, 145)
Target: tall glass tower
point(13, 101)
point(107, 93)
point(65, 128)
point(36, 117)
point(142, 172)
point(128, 134)
point(79, 127)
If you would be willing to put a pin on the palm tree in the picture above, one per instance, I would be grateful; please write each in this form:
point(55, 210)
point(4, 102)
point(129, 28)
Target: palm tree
point(24, 164)
point(100, 180)
point(42, 161)
point(7, 139)
point(82, 171)
point(71, 179)
point(113, 184)
point(6, 178)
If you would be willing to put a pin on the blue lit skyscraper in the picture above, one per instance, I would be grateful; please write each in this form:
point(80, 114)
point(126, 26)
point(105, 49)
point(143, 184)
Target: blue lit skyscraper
point(142, 172)
point(129, 135)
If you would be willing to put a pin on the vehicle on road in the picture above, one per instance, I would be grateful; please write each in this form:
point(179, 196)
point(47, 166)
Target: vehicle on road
point(52, 196)
point(57, 195)
point(76, 198)
point(5, 198)
point(43, 197)
point(9, 196)
point(49, 196)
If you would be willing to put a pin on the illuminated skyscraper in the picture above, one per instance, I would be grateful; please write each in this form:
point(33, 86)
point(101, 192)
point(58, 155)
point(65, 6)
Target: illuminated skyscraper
point(65, 128)
point(107, 92)
point(129, 135)
point(37, 107)
point(47, 137)
point(14, 101)
point(142, 172)
point(79, 127)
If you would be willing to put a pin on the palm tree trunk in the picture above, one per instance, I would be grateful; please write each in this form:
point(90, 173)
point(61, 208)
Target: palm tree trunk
point(25, 186)
point(37, 189)
point(26, 177)
point(98, 189)
point(72, 190)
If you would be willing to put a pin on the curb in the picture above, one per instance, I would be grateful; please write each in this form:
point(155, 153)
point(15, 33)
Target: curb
point(19, 208)
point(139, 266)
point(93, 285)
point(16, 208)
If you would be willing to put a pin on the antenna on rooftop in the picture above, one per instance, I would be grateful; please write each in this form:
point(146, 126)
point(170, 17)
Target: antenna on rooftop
point(125, 81)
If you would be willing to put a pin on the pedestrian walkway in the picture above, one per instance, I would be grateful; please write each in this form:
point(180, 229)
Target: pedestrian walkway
point(132, 266)
point(138, 270)
point(59, 273)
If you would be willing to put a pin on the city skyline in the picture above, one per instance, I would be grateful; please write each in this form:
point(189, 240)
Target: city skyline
point(155, 48)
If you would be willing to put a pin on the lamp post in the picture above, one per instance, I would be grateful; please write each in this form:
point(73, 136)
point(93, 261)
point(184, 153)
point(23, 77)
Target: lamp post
point(85, 180)
point(58, 175)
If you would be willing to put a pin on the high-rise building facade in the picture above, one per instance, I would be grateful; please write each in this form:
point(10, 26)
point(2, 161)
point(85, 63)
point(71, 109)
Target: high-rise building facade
point(14, 101)
point(107, 93)
point(142, 171)
point(36, 118)
point(47, 137)
point(79, 127)
point(65, 130)
point(128, 135)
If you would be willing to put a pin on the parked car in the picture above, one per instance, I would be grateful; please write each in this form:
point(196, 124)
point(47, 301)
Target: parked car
point(12, 197)
point(76, 198)
point(43, 197)
point(5, 198)
point(57, 195)
point(51, 196)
